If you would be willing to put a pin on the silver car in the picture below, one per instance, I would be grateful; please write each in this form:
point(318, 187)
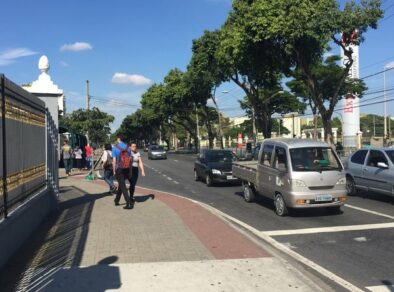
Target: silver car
point(295, 173)
point(156, 152)
point(371, 170)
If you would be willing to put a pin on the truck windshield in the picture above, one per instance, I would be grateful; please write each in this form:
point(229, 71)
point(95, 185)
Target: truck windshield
point(390, 154)
point(314, 159)
point(219, 156)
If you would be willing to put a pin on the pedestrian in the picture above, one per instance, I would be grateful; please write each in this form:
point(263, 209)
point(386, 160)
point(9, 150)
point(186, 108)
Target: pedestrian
point(88, 156)
point(121, 165)
point(137, 162)
point(66, 154)
point(106, 161)
point(78, 157)
point(339, 149)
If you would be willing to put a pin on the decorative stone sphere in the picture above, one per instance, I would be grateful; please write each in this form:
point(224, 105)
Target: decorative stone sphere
point(43, 64)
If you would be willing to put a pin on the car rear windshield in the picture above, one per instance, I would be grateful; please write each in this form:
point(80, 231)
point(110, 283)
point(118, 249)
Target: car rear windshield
point(219, 156)
point(390, 154)
point(314, 159)
point(157, 148)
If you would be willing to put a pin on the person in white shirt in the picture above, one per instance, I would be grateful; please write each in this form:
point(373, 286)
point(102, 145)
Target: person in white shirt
point(106, 161)
point(137, 163)
point(78, 157)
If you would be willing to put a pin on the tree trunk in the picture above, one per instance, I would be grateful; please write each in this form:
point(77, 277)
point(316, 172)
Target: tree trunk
point(208, 125)
point(265, 123)
point(327, 125)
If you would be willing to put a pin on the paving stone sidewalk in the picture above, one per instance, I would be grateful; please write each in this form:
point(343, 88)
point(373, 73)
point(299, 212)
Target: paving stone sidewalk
point(165, 243)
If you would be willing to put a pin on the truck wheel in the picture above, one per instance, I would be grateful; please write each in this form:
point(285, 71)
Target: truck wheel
point(208, 180)
point(280, 205)
point(248, 193)
point(350, 186)
point(196, 177)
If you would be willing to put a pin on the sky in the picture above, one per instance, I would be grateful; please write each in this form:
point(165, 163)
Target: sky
point(124, 46)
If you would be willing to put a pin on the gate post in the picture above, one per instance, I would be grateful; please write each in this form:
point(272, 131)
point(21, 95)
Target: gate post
point(4, 154)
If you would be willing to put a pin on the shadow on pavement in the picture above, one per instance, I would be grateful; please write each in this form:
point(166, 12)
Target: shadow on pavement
point(375, 197)
point(100, 277)
point(141, 199)
point(389, 284)
point(57, 244)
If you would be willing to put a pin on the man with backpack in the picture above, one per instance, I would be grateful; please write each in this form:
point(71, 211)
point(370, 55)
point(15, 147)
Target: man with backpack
point(121, 164)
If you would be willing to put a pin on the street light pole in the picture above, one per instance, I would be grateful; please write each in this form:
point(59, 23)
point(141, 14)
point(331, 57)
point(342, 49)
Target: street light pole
point(385, 104)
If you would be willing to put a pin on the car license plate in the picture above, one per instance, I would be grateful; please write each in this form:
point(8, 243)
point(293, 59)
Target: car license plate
point(231, 177)
point(323, 198)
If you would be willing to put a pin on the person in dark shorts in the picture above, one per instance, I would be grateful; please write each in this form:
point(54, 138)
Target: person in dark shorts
point(137, 162)
point(121, 164)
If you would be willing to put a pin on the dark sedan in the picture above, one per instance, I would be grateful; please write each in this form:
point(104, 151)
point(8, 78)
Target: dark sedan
point(214, 166)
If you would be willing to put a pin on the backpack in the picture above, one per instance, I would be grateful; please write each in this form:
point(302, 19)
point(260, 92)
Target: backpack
point(108, 163)
point(124, 158)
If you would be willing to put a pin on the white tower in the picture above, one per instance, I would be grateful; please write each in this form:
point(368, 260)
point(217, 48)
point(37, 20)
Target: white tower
point(350, 105)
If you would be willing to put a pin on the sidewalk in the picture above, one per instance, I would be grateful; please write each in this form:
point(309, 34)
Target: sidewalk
point(166, 243)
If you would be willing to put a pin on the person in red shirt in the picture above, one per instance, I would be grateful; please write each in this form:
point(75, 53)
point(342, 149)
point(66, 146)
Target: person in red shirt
point(88, 158)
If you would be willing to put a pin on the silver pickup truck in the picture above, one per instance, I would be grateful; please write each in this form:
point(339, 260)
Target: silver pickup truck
point(295, 173)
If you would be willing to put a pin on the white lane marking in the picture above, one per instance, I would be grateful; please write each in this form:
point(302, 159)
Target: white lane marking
point(176, 160)
point(360, 239)
point(169, 178)
point(381, 288)
point(175, 182)
point(329, 229)
point(369, 211)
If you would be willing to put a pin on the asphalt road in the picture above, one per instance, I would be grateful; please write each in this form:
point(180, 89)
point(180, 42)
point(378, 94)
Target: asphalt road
point(356, 245)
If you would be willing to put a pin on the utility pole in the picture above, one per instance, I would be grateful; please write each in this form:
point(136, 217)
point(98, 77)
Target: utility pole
point(87, 107)
point(385, 105)
point(374, 127)
point(87, 96)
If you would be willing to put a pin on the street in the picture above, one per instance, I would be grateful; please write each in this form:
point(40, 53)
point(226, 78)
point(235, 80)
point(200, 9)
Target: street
point(356, 245)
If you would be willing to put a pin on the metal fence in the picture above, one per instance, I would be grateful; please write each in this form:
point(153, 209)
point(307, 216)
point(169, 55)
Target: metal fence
point(22, 147)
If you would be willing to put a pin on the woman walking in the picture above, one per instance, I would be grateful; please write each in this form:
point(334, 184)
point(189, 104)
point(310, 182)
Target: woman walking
point(66, 153)
point(106, 161)
point(137, 162)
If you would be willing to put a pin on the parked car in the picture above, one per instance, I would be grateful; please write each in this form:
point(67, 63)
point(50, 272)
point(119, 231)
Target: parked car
point(371, 170)
point(294, 173)
point(213, 166)
point(156, 152)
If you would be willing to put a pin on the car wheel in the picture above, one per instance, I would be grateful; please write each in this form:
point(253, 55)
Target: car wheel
point(208, 180)
point(280, 205)
point(196, 177)
point(248, 193)
point(350, 186)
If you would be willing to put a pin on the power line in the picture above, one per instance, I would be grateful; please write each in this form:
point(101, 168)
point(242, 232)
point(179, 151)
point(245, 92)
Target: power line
point(377, 73)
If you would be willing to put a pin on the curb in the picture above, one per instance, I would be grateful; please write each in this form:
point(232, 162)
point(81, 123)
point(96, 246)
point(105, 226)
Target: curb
point(324, 273)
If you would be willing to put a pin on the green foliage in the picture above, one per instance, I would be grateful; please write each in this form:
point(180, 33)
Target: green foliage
point(94, 122)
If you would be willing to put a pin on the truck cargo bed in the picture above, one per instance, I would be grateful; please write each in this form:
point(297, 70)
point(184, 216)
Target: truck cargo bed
point(245, 170)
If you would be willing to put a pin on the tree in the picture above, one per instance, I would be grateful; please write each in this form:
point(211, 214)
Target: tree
point(256, 67)
point(203, 76)
point(94, 122)
point(304, 29)
point(170, 104)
